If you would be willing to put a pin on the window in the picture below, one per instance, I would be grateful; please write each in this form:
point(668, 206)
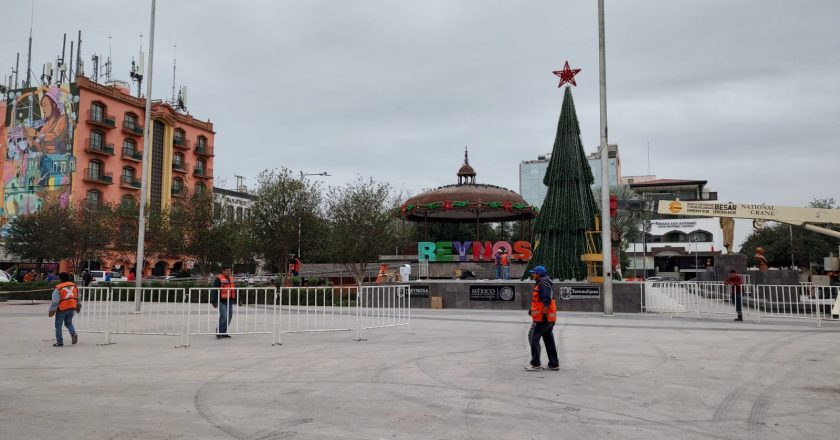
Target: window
point(130, 119)
point(229, 214)
point(97, 140)
point(178, 160)
point(674, 237)
point(97, 112)
point(177, 185)
point(93, 198)
point(200, 188)
point(130, 146)
point(128, 201)
point(128, 174)
point(239, 213)
point(202, 142)
point(700, 236)
point(179, 136)
point(95, 169)
point(199, 166)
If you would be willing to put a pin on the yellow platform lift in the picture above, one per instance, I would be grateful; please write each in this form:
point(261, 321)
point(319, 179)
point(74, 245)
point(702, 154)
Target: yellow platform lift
point(593, 258)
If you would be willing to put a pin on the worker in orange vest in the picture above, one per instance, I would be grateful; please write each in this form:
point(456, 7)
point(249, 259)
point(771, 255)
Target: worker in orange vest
point(543, 314)
point(224, 298)
point(505, 261)
point(65, 303)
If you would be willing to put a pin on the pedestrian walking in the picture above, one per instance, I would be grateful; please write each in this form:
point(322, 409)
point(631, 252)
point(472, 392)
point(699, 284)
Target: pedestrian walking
point(65, 303)
point(224, 299)
point(86, 278)
point(498, 257)
point(735, 283)
point(543, 314)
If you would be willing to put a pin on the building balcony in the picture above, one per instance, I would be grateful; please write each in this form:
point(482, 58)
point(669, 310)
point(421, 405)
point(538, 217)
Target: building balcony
point(181, 143)
point(204, 150)
point(180, 167)
point(132, 128)
point(129, 182)
point(96, 176)
point(132, 154)
point(206, 173)
point(99, 147)
point(101, 120)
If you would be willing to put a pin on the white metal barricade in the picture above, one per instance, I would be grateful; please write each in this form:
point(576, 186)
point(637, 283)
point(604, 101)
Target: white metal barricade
point(317, 309)
point(93, 316)
point(796, 301)
point(254, 310)
point(383, 306)
point(159, 311)
point(704, 297)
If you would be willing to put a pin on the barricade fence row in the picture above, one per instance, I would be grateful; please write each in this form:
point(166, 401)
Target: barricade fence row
point(757, 301)
point(251, 310)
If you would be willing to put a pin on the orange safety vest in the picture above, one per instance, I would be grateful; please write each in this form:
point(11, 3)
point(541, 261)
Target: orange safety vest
point(228, 287)
point(67, 295)
point(538, 308)
point(294, 266)
point(505, 260)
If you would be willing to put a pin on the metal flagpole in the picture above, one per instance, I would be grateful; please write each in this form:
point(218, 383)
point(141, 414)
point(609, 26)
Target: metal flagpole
point(144, 184)
point(606, 245)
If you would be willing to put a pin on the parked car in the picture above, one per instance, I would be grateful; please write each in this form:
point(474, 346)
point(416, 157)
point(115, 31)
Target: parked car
point(99, 276)
point(5, 277)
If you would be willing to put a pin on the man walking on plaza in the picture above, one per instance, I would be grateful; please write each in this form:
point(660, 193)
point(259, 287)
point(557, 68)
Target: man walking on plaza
point(224, 298)
point(543, 314)
point(65, 303)
point(735, 281)
point(498, 257)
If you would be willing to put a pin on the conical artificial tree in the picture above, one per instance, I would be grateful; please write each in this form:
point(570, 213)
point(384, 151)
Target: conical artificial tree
point(569, 208)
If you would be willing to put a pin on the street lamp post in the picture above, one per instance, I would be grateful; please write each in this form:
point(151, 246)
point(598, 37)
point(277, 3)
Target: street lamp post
point(302, 175)
point(696, 259)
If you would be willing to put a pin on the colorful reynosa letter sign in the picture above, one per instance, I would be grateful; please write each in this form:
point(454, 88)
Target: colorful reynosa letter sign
point(471, 250)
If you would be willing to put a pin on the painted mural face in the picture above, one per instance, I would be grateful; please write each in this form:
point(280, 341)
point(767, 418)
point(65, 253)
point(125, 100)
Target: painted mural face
point(36, 141)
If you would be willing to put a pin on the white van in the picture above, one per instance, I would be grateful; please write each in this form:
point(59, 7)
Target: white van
point(99, 276)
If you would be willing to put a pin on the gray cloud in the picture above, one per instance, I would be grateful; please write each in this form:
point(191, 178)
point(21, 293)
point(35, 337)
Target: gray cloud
point(743, 94)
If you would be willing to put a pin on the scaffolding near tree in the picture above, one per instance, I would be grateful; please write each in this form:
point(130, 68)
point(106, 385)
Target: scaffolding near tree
point(569, 208)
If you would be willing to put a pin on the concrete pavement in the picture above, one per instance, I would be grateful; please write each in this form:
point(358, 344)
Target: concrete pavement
point(459, 375)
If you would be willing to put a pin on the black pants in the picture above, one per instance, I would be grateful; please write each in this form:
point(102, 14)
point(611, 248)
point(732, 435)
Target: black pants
point(737, 298)
point(544, 330)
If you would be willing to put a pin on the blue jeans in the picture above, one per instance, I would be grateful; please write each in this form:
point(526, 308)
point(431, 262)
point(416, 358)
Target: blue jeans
point(544, 331)
point(64, 317)
point(498, 271)
point(225, 314)
point(505, 272)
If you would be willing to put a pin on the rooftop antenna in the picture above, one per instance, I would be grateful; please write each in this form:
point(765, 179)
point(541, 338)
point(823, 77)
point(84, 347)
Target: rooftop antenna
point(137, 69)
point(70, 69)
point(17, 68)
point(240, 182)
point(174, 54)
point(79, 64)
point(29, 53)
point(108, 62)
point(59, 65)
point(95, 59)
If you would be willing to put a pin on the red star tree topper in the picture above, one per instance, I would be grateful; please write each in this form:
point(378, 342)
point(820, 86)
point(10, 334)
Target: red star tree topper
point(567, 75)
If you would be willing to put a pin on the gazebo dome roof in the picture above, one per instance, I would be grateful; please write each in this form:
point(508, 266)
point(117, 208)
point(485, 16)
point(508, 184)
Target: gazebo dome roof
point(467, 201)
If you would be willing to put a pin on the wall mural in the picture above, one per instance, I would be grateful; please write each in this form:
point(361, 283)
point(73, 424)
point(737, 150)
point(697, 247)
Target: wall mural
point(36, 144)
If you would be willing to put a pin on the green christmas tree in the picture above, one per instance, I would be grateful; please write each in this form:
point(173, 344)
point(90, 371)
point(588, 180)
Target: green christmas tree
point(569, 208)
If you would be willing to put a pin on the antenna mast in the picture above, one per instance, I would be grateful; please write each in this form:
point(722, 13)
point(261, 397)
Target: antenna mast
point(108, 62)
point(29, 53)
point(174, 56)
point(79, 70)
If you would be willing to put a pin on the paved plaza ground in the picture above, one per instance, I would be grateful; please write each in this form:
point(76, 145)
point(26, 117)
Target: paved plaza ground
point(458, 375)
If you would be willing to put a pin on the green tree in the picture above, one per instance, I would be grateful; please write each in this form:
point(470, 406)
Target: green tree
point(284, 206)
point(569, 208)
point(362, 224)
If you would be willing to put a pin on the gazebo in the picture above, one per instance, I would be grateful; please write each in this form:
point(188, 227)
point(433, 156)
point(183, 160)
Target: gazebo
point(467, 202)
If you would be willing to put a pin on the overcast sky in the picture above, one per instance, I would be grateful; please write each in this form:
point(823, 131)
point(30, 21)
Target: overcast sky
point(744, 94)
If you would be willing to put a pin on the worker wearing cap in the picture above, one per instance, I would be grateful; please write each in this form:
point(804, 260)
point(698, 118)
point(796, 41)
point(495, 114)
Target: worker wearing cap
point(543, 314)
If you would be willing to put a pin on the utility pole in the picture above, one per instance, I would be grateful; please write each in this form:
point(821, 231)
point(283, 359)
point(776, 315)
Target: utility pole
point(606, 244)
point(144, 184)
